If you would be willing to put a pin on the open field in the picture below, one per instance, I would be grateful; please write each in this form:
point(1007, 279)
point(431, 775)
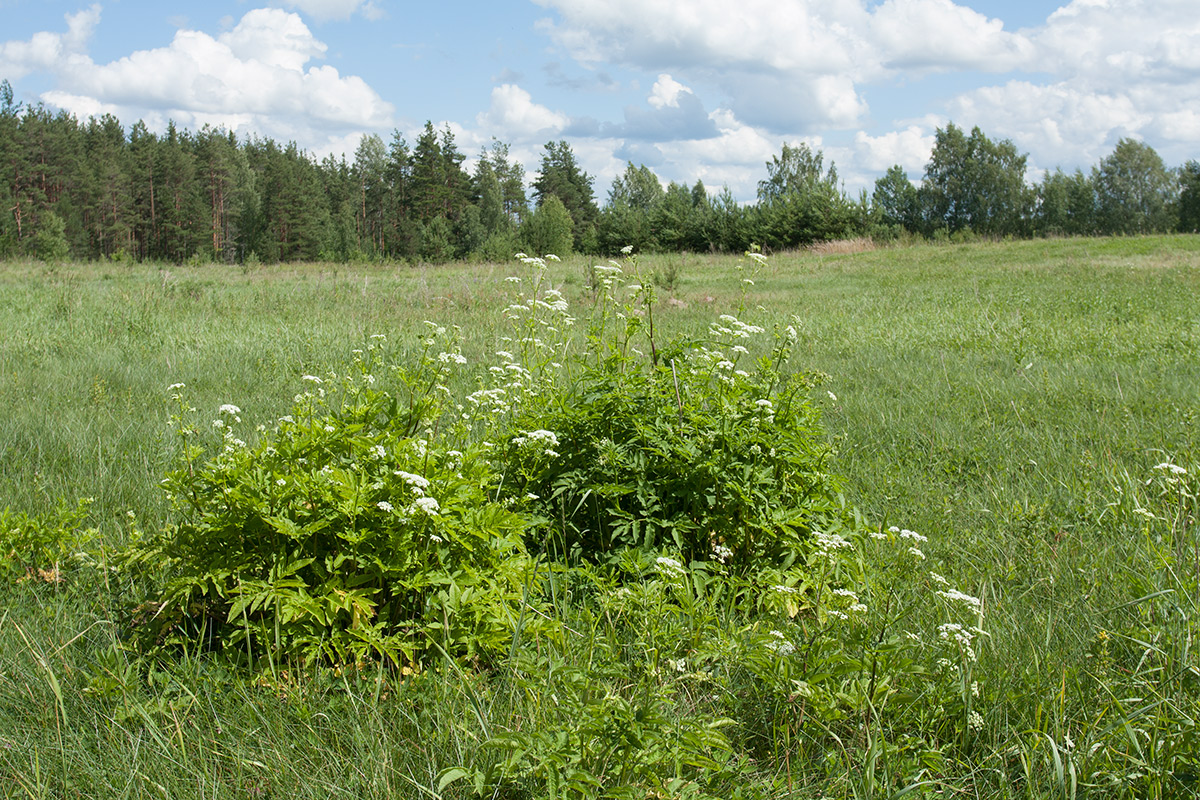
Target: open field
point(1015, 403)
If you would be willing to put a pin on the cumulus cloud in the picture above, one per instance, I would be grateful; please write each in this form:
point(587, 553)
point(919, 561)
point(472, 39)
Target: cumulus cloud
point(45, 51)
point(790, 64)
point(514, 114)
point(940, 34)
point(665, 92)
point(1102, 43)
point(1117, 68)
point(1058, 124)
point(256, 77)
point(910, 148)
point(1066, 89)
point(675, 112)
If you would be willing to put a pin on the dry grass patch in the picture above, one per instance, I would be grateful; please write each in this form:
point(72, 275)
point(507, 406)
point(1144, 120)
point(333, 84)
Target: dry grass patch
point(861, 244)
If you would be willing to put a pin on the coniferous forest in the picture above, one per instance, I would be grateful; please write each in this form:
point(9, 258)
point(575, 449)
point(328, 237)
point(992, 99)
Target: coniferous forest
point(97, 189)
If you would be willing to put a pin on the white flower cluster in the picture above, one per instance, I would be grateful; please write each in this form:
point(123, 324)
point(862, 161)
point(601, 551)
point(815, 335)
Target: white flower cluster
point(963, 636)
point(554, 301)
point(494, 401)
point(780, 644)
point(828, 543)
point(421, 504)
point(907, 534)
point(954, 595)
point(419, 483)
point(540, 439)
point(732, 326)
point(426, 505)
point(669, 567)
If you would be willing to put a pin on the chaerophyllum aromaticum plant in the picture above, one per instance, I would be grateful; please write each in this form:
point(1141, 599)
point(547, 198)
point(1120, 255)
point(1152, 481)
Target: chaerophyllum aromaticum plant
point(696, 445)
point(356, 528)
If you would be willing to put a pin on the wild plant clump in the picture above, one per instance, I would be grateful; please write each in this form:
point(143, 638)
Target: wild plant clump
point(39, 549)
point(347, 532)
point(377, 521)
point(707, 453)
point(709, 447)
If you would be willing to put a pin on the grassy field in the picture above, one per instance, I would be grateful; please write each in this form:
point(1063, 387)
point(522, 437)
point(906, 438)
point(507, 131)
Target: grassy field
point(1015, 403)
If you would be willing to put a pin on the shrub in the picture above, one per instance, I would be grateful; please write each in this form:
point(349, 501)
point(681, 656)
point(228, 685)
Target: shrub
point(347, 532)
point(549, 228)
point(682, 449)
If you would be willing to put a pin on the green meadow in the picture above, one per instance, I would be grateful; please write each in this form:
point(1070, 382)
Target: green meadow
point(1025, 415)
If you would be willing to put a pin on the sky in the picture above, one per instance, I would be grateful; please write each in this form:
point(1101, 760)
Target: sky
point(694, 89)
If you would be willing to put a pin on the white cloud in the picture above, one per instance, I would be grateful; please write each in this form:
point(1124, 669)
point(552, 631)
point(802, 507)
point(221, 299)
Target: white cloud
point(786, 64)
point(255, 77)
point(1120, 68)
point(1116, 68)
point(1113, 68)
point(273, 37)
point(513, 114)
point(939, 34)
point(910, 148)
point(666, 91)
point(1182, 126)
point(1098, 42)
point(44, 51)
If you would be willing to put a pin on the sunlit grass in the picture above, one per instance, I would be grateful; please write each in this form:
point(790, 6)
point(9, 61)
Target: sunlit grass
point(1009, 401)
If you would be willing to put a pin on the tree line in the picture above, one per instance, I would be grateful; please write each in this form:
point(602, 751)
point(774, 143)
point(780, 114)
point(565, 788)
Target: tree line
point(973, 185)
point(93, 190)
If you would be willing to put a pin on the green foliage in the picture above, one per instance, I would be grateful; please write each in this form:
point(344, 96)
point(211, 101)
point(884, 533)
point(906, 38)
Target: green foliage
point(611, 745)
point(972, 183)
point(436, 246)
point(549, 228)
point(499, 247)
point(344, 533)
point(37, 548)
point(1066, 205)
point(1134, 190)
point(50, 242)
point(1029, 406)
point(1141, 647)
point(696, 447)
point(800, 201)
point(561, 177)
point(1189, 197)
point(896, 200)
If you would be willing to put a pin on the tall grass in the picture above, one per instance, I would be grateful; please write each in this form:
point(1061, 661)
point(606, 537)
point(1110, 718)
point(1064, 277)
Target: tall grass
point(1014, 402)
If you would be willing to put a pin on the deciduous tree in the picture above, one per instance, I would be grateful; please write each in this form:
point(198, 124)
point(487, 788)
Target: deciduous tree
point(1134, 190)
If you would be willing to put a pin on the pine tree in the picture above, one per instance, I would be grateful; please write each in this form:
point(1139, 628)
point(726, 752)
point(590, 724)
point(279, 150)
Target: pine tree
point(109, 211)
point(143, 156)
point(180, 207)
point(561, 177)
point(226, 185)
point(374, 193)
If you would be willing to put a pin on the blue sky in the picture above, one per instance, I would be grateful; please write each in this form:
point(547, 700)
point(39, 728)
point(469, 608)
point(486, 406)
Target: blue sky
point(694, 89)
